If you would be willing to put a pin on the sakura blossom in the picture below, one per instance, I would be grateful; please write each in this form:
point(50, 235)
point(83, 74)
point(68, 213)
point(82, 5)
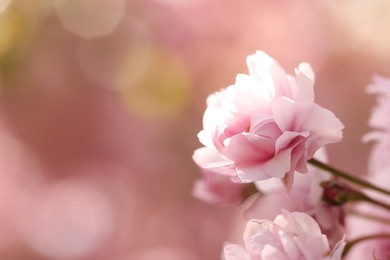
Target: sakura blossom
point(292, 235)
point(374, 219)
point(375, 223)
point(266, 124)
point(304, 196)
point(380, 123)
point(219, 189)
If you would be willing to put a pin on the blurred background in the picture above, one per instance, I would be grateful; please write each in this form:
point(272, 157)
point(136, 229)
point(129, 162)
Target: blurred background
point(101, 101)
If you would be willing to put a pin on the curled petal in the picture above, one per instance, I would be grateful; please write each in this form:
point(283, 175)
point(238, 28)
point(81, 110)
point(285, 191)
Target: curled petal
point(248, 148)
point(277, 167)
point(209, 158)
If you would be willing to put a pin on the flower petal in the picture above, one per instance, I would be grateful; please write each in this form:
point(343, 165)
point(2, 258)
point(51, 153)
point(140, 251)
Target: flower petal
point(248, 148)
point(209, 158)
point(304, 83)
point(270, 73)
point(278, 166)
point(235, 252)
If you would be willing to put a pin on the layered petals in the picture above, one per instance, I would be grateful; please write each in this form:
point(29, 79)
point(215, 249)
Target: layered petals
point(267, 124)
point(292, 235)
point(304, 196)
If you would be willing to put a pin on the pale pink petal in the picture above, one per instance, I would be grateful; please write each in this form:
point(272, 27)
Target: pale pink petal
point(289, 245)
point(321, 124)
point(205, 137)
point(289, 140)
point(250, 94)
point(246, 148)
point(209, 158)
point(380, 122)
point(320, 121)
point(304, 83)
point(308, 237)
point(283, 114)
point(272, 253)
point(268, 71)
point(278, 166)
point(264, 125)
point(235, 252)
point(380, 85)
point(259, 67)
point(265, 236)
point(337, 251)
point(265, 144)
point(292, 116)
point(307, 70)
point(269, 185)
point(253, 227)
point(287, 222)
point(308, 225)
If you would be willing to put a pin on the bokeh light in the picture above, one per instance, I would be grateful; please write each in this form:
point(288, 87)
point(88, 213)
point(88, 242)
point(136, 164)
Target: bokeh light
point(162, 90)
point(90, 18)
point(126, 54)
point(10, 29)
point(4, 4)
point(72, 221)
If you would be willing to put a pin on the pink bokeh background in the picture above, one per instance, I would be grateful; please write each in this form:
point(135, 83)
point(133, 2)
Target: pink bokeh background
point(101, 101)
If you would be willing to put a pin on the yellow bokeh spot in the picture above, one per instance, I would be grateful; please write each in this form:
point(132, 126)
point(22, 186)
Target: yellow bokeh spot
point(90, 18)
point(11, 25)
point(163, 88)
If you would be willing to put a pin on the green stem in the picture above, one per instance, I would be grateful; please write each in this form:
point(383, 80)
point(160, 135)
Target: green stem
point(352, 243)
point(348, 177)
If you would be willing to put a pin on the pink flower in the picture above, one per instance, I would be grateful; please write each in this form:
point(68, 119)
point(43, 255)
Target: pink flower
point(380, 122)
point(219, 189)
point(379, 118)
point(304, 196)
point(370, 220)
point(266, 125)
point(293, 235)
point(374, 219)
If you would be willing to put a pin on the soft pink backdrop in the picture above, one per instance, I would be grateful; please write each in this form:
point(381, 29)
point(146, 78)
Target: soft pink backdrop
point(101, 102)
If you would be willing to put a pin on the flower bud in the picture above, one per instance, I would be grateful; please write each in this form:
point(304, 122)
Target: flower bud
point(336, 193)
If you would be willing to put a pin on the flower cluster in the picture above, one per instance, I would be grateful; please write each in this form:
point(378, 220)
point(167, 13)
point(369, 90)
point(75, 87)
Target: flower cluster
point(293, 235)
point(259, 135)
